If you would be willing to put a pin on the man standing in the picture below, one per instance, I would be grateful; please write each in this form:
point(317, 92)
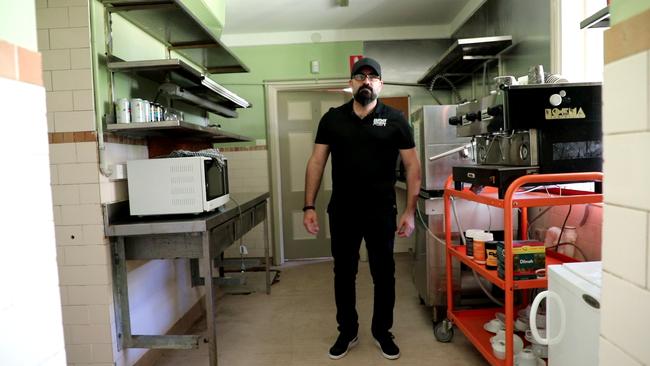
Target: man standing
point(364, 137)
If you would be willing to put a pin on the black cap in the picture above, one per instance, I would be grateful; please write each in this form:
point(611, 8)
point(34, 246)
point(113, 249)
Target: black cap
point(366, 62)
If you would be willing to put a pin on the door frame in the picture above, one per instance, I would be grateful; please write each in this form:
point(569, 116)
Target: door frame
point(271, 90)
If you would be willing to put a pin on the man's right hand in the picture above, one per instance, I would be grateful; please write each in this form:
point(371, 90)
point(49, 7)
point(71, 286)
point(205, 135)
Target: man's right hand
point(310, 220)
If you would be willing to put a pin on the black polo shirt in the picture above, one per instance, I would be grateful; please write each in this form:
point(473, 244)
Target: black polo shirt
point(364, 154)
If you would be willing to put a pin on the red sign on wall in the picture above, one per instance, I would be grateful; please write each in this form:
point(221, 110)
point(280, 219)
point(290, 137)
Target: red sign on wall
point(354, 59)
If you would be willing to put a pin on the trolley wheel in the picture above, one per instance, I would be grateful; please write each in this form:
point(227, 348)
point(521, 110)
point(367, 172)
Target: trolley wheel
point(444, 331)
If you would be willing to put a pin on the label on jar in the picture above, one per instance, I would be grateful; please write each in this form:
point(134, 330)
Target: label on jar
point(469, 249)
point(137, 110)
point(491, 259)
point(479, 251)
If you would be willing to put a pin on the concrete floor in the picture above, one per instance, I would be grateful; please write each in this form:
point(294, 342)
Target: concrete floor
point(296, 325)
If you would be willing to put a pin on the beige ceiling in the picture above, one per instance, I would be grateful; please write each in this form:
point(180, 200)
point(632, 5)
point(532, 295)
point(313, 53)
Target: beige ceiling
point(258, 22)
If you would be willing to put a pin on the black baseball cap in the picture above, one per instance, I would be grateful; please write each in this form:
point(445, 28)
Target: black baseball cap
point(365, 62)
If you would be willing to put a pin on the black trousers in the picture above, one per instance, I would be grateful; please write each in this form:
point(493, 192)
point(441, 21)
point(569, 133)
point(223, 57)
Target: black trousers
point(377, 227)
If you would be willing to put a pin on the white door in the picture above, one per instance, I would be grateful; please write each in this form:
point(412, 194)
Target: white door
point(298, 115)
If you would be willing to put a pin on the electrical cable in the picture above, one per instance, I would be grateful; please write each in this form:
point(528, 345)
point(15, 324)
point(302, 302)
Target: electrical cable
point(563, 226)
point(241, 239)
point(476, 277)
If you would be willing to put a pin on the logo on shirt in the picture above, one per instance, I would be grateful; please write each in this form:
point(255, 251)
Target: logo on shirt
point(381, 122)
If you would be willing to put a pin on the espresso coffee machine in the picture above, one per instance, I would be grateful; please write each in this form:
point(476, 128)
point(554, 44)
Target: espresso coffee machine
point(530, 129)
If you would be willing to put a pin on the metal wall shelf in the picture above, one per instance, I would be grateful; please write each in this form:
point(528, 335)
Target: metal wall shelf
point(599, 19)
point(180, 73)
point(463, 58)
point(170, 22)
point(177, 129)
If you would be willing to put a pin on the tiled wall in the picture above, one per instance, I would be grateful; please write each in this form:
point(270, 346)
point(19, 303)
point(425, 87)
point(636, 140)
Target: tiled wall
point(625, 318)
point(30, 304)
point(83, 253)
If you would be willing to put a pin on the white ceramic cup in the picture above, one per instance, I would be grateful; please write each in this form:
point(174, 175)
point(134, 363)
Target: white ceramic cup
point(526, 358)
point(494, 325)
point(521, 325)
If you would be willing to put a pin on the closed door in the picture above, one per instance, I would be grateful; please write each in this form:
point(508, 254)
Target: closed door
point(298, 117)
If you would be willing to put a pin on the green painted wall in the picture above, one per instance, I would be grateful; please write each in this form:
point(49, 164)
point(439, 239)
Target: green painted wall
point(18, 23)
point(621, 10)
point(276, 63)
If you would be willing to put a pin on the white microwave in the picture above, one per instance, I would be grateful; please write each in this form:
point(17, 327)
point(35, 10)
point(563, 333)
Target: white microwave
point(182, 185)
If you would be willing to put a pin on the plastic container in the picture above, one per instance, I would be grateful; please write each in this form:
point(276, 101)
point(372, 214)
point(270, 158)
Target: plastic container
point(469, 239)
point(491, 260)
point(479, 246)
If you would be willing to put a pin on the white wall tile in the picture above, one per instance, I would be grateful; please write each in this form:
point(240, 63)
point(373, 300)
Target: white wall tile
point(89, 193)
point(95, 274)
point(54, 174)
point(100, 314)
point(50, 121)
point(66, 3)
point(68, 235)
point(83, 100)
point(103, 352)
point(60, 256)
point(56, 59)
point(648, 260)
point(78, 173)
point(96, 333)
point(47, 80)
point(63, 291)
point(56, 214)
point(43, 36)
point(77, 353)
point(69, 38)
point(80, 58)
point(58, 101)
point(625, 89)
point(610, 354)
point(626, 183)
point(63, 153)
point(93, 234)
point(72, 79)
point(51, 18)
point(624, 243)
point(76, 314)
point(624, 319)
point(66, 194)
point(74, 121)
point(86, 255)
point(87, 152)
point(88, 295)
point(78, 16)
point(81, 215)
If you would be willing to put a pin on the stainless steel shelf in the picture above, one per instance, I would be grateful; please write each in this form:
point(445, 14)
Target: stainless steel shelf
point(176, 129)
point(599, 19)
point(180, 73)
point(170, 22)
point(463, 58)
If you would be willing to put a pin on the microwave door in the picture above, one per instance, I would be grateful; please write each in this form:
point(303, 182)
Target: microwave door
point(216, 185)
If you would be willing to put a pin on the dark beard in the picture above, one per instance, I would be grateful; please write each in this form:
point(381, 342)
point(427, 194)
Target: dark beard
point(365, 97)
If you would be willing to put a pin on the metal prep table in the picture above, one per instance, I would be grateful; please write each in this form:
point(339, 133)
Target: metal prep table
point(195, 237)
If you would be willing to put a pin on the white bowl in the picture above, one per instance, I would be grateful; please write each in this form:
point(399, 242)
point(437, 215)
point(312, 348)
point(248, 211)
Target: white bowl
point(499, 349)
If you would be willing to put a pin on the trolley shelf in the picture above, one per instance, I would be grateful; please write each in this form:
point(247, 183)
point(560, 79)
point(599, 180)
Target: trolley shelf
point(489, 196)
point(491, 275)
point(470, 322)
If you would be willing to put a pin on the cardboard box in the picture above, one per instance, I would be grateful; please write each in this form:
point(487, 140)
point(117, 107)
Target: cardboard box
point(528, 256)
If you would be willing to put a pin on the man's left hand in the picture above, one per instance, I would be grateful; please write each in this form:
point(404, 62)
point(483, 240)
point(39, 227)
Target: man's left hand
point(406, 225)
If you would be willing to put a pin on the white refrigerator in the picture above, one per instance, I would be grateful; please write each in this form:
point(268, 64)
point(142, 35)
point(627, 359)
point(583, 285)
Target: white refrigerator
point(572, 313)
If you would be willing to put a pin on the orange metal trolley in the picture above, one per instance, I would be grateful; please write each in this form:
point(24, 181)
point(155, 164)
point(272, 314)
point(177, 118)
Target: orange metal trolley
point(470, 322)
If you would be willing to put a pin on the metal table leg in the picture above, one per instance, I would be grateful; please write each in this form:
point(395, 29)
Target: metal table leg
point(266, 251)
point(210, 297)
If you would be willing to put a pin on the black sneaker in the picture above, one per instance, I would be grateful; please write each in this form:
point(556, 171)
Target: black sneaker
point(342, 345)
point(388, 348)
